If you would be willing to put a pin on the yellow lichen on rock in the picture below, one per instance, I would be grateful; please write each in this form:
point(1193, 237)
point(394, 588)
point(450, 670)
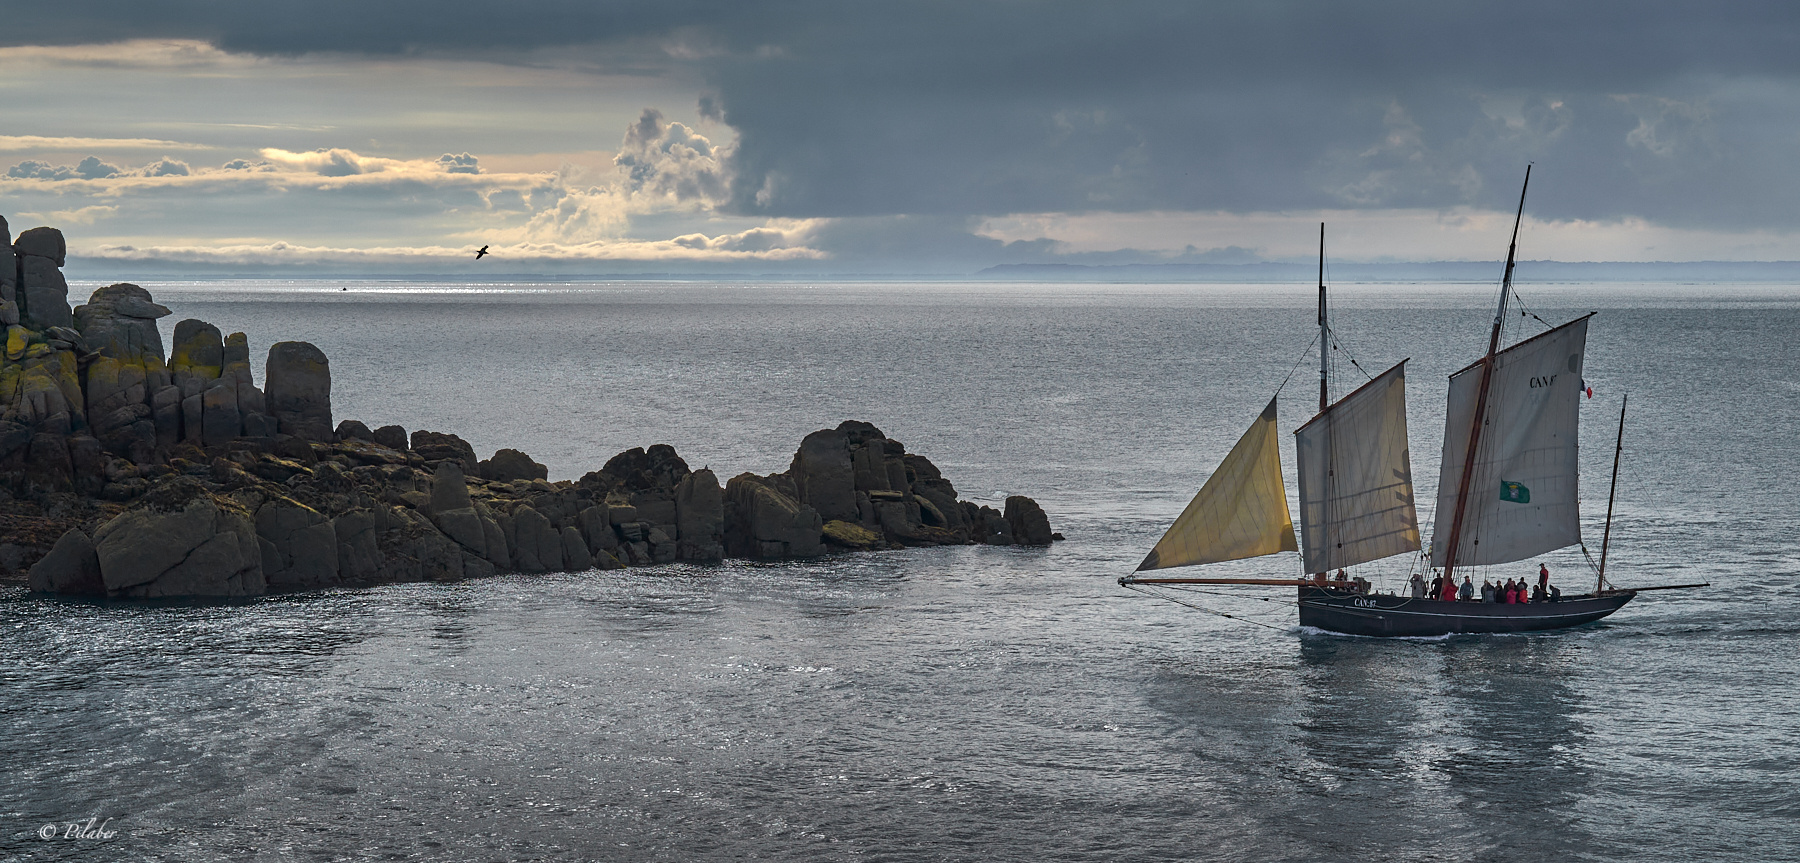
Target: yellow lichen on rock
point(17, 338)
point(843, 533)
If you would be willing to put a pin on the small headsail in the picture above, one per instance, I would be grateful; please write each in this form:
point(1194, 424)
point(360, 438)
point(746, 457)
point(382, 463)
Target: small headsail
point(1356, 493)
point(1524, 494)
point(1240, 512)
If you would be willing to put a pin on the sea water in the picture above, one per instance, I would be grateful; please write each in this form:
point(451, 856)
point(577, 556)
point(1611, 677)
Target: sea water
point(966, 703)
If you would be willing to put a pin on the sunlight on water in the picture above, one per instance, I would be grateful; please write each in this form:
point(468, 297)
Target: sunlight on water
point(949, 703)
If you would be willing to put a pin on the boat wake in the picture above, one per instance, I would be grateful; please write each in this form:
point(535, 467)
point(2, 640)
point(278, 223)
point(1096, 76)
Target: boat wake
point(1313, 630)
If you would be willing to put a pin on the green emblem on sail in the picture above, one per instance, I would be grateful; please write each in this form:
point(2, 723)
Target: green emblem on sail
point(1514, 492)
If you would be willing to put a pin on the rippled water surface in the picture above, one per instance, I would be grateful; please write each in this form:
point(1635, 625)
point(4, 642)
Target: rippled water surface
point(950, 703)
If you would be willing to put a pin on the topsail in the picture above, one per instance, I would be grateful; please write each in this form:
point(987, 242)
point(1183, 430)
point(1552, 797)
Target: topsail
point(1524, 492)
point(1240, 512)
point(1356, 493)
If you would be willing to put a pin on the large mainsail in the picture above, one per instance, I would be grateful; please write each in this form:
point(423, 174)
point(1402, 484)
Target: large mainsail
point(1356, 493)
point(1240, 512)
point(1523, 495)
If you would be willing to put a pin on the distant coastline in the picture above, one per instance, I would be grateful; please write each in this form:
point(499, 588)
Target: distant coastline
point(1271, 272)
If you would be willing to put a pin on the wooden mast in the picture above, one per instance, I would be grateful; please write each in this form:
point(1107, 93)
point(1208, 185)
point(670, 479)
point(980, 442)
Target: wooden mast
point(1487, 376)
point(1324, 356)
point(1611, 493)
point(1324, 332)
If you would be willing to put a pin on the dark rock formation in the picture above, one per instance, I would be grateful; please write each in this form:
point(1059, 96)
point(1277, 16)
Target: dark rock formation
point(298, 377)
point(1030, 526)
point(510, 464)
point(42, 293)
point(9, 277)
point(392, 437)
point(127, 475)
point(355, 429)
point(435, 447)
point(181, 539)
point(71, 567)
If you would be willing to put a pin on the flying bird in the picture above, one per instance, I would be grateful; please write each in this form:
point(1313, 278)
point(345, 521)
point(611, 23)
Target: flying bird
point(479, 252)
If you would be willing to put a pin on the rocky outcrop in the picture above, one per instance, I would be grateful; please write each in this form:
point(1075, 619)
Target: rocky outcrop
point(1030, 526)
point(510, 464)
point(298, 377)
point(71, 568)
point(181, 539)
point(765, 521)
point(854, 476)
point(129, 474)
point(9, 277)
point(435, 447)
point(126, 376)
point(42, 293)
point(298, 544)
point(699, 518)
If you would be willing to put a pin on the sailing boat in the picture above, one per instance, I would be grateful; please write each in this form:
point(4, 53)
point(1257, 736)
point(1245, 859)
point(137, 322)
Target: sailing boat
point(1508, 486)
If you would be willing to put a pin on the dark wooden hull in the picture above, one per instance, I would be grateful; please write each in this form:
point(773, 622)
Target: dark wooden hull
point(1403, 616)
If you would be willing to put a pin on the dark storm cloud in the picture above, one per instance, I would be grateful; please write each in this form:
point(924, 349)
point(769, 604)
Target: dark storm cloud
point(1683, 113)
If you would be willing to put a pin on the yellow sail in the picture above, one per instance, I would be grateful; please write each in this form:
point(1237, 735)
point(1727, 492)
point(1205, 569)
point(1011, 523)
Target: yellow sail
point(1241, 511)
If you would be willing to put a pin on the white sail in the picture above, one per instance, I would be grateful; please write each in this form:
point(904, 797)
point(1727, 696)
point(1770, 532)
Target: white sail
point(1356, 492)
point(1524, 494)
point(1240, 512)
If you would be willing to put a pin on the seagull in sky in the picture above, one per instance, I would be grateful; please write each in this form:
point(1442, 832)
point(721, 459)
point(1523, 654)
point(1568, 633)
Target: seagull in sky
point(479, 252)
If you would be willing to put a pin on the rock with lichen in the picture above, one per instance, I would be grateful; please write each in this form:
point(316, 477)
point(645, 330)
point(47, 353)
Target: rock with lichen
point(132, 475)
point(181, 539)
point(42, 292)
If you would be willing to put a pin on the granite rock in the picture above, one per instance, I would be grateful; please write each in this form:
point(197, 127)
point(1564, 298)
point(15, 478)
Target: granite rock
point(700, 518)
point(44, 293)
point(181, 540)
point(299, 546)
point(71, 568)
point(298, 390)
point(508, 465)
point(436, 446)
point(392, 437)
point(43, 242)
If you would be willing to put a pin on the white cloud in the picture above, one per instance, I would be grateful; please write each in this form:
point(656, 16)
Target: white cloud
point(758, 244)
point(90, 168)
point(339, 162)
point(80, 216)
point(166, 167)
point(131, 54)
point(458, 163)
point(38, 143)
point(667, 160)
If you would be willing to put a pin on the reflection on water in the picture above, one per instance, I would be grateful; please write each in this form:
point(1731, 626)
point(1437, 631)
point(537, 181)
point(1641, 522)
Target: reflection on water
point(948, 703)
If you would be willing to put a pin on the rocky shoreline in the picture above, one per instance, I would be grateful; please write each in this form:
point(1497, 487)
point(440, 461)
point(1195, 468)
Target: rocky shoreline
point(128, 474)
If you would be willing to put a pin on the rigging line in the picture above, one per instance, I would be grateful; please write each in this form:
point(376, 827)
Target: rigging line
point(1303, 357)
point(1192, 589)
point(1524, 311)
point(1337, 345)
point(1207, 610)
point(1590, 558)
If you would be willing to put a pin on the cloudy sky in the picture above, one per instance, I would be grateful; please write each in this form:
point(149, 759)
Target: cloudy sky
point(733, 136)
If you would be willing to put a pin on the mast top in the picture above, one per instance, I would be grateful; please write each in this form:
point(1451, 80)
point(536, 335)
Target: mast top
point(1487, 373)
point(1324, 331)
